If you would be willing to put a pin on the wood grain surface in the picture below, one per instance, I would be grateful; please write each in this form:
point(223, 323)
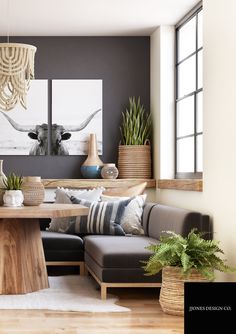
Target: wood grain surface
point(93, 183)
point(146, 317)
point(44, 211)
point(181, 184)
point(22, 263)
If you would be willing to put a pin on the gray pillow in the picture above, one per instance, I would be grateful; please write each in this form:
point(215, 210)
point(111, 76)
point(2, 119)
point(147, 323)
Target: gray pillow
point(103, 218)
point(63, 197)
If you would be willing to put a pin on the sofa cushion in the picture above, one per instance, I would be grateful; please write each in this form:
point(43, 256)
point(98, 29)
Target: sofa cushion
point(131, 219)
point(62, 247)
point(163, 217)
point(120, 275)
point(103, 218)
point(118, 251)
point(63, 197)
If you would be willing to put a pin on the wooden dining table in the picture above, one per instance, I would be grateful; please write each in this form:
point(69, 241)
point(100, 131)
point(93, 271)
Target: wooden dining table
point(22, 262)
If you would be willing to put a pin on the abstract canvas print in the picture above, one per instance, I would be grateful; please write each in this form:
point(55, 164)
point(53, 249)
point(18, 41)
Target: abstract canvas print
point(25, 132)
point(76, 112)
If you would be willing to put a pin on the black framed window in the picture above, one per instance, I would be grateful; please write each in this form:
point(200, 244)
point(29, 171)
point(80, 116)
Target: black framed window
point(189, 93)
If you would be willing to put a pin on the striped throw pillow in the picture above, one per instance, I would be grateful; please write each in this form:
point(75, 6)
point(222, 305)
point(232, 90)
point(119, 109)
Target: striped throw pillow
point(103, 217)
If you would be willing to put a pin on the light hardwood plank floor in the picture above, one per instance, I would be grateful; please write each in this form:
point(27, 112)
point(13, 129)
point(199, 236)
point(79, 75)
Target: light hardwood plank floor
point(146, 317)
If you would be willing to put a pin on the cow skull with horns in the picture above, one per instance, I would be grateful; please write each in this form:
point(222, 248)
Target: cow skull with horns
point(58, 134)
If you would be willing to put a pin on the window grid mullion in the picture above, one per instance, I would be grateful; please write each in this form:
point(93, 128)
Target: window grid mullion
point(177, 99)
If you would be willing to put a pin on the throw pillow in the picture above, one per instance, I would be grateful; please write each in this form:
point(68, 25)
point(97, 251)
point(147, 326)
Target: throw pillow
point(103, 218)
point(63, 197)
point(131, 220)
point(127, 192)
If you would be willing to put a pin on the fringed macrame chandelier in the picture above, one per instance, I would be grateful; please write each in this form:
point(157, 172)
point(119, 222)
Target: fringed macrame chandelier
point(16, 71)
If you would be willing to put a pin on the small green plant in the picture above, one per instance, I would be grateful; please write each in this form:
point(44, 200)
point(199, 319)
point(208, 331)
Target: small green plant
point(136, 124)
point(13, 182)
point(186, 253)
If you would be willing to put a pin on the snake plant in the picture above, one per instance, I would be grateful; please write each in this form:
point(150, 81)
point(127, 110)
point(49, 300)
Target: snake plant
point(187, 253)
point(136, 124)
point(13, 182)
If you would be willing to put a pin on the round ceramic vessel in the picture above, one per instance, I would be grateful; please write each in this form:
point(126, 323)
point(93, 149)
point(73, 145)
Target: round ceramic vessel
point(91, 172)
point(33, 191)
point(109, 171)
point(13, 198)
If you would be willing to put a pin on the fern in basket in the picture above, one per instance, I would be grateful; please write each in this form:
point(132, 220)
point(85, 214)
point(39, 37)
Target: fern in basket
point(192, 252)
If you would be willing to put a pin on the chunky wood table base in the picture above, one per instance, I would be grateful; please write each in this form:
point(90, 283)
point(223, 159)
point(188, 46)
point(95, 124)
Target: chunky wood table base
point(22, 263)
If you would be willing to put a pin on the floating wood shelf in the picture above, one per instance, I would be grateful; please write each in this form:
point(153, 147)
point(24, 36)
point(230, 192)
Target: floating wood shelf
point(93, 183)
point(181, 184)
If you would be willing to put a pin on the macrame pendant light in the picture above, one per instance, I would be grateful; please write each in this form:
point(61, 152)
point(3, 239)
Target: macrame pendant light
point(16, 71)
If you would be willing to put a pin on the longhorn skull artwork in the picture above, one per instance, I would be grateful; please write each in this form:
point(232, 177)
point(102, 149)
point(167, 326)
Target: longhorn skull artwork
point(40, 132)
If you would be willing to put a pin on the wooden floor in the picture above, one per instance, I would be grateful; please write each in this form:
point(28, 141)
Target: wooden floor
point(146, 317)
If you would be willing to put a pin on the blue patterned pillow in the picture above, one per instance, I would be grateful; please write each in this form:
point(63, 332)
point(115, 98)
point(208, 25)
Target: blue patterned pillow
point(103, 218)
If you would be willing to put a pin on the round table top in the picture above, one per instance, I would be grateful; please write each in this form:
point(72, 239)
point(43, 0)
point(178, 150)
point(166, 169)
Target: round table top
point(44, 211)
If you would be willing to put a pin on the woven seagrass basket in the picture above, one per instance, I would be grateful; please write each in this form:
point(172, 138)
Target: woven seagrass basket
point(134, 162)
point(172, 289)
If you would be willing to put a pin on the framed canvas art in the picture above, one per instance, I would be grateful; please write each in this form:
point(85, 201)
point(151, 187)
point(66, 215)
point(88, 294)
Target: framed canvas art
point(25, 132)
point(76, 112)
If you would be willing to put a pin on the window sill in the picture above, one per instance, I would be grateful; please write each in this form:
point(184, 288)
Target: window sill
point(181, 184)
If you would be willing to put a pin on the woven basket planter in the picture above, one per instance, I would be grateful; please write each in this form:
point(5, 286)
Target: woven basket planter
point(172, 289)
point(134, 162)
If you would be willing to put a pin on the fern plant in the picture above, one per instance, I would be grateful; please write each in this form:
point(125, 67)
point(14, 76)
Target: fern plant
point(136, 124)
point(186, 253)
point(13, 182)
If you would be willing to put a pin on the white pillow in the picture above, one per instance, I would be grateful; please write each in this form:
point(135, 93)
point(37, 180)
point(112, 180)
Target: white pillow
point(63, 197)
point(131, 220)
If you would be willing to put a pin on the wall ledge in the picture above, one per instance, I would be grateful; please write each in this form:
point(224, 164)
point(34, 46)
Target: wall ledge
point(181, 184)
point(93, 183)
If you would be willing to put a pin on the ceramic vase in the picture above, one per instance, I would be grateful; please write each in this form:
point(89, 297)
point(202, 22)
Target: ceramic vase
point(33, 191)
point(91, 168)
point(13, 198)
point(2, 185)
point(109, 171)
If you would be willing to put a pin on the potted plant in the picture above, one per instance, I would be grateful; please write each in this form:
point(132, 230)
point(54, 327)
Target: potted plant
point(134, 159)
point(13, 195)
point(183, 259)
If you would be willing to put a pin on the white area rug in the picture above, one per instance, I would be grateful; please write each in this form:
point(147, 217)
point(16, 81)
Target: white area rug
point(66, 293)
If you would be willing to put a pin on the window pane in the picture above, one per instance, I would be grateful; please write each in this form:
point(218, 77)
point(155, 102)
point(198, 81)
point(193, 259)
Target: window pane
point(187, 76)
point(200, 34)
point(185, 117)
point(199, 153)
point(185, 154)
point(187, 39)
point(199, 112)
point(200, 69)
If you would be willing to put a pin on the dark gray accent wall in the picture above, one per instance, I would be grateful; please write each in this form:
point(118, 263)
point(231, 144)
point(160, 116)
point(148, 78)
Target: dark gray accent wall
point(123, 63)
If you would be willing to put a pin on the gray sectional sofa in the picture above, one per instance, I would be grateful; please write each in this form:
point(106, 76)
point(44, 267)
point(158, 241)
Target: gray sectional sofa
point(114, 261)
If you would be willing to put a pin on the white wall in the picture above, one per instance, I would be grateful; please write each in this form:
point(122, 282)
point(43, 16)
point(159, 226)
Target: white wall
point(219, 158)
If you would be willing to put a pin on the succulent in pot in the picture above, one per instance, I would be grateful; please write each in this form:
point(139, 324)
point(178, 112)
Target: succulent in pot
point(182, 259)
point(13, 196)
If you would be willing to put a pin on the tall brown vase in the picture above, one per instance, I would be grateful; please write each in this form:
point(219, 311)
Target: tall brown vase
point(91, 168)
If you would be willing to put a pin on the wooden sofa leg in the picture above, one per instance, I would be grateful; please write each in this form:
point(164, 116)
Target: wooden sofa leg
point(82, 269)
point(86, 272)
point(103, 292)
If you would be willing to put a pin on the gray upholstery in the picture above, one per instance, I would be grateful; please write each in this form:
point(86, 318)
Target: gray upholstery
point(120, 275)
point(62, 247)
point(166, 218)
point(118, 251)
point(117, 259)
